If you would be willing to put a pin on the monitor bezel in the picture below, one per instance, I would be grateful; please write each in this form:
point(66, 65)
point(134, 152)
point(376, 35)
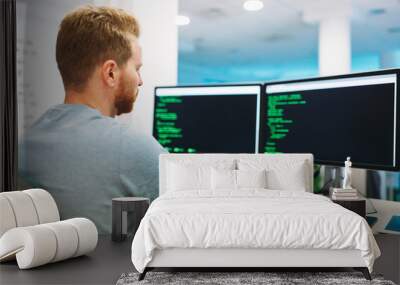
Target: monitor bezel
point(259, 85)
point(396, 71)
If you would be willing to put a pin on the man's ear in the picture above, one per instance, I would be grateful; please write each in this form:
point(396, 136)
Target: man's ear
point(110, 73)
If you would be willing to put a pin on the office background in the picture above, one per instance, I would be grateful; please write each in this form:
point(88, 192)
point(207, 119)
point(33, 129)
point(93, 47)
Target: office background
point(223, 43)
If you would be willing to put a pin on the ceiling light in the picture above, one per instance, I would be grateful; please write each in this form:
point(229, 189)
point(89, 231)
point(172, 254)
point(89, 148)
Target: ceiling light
point(182, 20)
point(253, 5)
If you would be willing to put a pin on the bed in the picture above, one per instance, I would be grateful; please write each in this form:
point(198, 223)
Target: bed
point(247, 210)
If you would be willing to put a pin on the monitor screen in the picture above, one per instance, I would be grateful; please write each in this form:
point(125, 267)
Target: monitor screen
point(207, 119)
point(335, 117)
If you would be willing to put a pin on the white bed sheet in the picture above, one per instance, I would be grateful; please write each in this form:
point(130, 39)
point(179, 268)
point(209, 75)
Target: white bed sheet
point(251, 218)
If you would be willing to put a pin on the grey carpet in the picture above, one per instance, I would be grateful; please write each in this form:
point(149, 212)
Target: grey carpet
point(269, 278)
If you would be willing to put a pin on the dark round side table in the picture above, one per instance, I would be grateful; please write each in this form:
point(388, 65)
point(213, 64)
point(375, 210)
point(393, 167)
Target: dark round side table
point(136, 206)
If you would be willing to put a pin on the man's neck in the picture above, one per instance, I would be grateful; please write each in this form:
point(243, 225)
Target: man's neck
point(90, 100)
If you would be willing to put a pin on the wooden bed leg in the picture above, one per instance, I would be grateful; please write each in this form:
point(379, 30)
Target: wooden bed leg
point(143, 274)
point(364, 271)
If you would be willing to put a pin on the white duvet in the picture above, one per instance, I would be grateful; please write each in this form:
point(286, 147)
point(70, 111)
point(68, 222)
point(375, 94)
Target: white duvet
point(250, 219)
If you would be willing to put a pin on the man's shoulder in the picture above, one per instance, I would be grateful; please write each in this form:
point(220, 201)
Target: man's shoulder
point(136, 139)
point(131, 132)
point(74, 117)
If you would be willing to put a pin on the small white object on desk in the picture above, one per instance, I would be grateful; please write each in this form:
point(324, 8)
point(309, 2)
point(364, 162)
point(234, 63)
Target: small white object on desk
point(347, 192)
point(347, 174)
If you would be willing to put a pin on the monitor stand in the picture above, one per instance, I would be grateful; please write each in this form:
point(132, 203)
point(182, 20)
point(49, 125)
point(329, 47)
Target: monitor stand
point(332, 178)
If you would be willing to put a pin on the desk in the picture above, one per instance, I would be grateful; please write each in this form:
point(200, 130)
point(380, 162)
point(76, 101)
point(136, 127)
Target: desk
point(102, 266)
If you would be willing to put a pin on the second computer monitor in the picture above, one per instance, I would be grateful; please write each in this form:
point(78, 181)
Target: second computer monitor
point(352, 115)
point(207, 119)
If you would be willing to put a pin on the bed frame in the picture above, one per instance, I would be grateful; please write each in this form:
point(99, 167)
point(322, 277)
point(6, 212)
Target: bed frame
point(246, 258)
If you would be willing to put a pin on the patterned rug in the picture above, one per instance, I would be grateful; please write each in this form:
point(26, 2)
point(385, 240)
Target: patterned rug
point(243, 278)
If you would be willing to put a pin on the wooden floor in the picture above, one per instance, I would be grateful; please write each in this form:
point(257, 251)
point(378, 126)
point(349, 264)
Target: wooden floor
point(103, 266)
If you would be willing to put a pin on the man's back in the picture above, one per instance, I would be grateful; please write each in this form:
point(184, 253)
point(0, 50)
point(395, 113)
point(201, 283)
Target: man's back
point(85, 159)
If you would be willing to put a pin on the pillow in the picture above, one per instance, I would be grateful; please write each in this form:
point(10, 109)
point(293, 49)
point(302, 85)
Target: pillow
point(182, 177)
point(251, 178)
point(223, 179)
point(289, 179)
point(281, 174)
point(193, 174)
point(237, 179)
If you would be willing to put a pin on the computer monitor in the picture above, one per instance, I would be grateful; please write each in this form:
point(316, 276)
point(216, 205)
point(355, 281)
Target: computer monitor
point(207, 119)
point(334, 117)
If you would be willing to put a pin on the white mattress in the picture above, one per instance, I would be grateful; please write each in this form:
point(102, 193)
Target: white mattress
point(250, 218)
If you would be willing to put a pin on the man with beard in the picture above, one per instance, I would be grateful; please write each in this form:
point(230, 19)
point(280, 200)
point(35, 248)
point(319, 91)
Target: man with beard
point(77, 150)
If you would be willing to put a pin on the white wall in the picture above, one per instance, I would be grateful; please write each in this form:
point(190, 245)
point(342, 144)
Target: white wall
point(20, 51)
point(40, 85)
point(159, 41)
point(334, 46)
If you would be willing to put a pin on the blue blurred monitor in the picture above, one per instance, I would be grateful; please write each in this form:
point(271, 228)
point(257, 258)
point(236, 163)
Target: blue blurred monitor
point(383, 185)
point(394, 224)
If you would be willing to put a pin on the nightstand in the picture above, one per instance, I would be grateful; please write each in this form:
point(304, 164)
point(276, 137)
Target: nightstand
point(357, 206)
point(137, 206)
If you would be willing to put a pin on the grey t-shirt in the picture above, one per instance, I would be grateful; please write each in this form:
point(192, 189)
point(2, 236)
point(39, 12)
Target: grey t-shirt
point(85, 159)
